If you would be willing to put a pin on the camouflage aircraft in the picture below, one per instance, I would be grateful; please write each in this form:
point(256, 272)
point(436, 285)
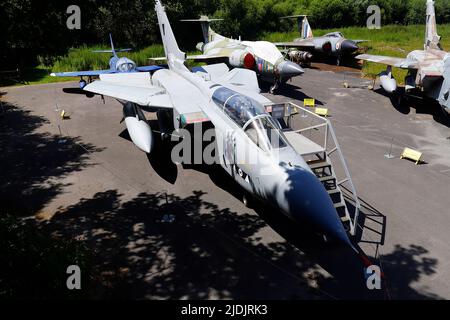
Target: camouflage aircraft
point(260, 56)
point(429, 69)
point(333, 44)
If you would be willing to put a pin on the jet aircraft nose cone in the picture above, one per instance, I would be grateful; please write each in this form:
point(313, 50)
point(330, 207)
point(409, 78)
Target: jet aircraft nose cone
point(349, 46)
point(309, 202)
point(288, 69)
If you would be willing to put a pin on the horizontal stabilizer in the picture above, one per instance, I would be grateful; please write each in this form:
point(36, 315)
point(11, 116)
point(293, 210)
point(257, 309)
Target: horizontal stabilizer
point(199, 58)
point(295, 16)
point(202, 19)
point(148, 68)
point(111, 51)
point(92, 73)
point(390, 61)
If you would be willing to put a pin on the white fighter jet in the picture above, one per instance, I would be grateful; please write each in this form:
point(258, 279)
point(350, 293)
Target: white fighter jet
point(230, 101)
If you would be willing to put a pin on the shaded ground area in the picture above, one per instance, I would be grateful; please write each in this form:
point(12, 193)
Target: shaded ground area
point(33, 162)
point(193, 241)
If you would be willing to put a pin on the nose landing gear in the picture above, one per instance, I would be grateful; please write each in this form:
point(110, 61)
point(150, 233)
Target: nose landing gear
point(274, 87)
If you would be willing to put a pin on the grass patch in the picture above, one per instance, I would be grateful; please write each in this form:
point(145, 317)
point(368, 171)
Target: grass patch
point(392, 40)
point(81, 59)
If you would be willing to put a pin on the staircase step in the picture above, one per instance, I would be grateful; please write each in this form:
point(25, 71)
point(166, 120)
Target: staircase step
point(341, 209)
point(335, 195)
point(327, 178)
point(339, 205)
point(320, 165)
point(313, 162)
point(333, 191)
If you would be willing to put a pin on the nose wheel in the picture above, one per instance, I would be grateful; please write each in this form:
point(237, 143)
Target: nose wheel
point(246, 200)
point(274, 87)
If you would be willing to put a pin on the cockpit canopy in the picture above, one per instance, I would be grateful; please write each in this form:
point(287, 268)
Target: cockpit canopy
point(335, 35)
point(239, 108)
point(252, 117)
point(125, 65)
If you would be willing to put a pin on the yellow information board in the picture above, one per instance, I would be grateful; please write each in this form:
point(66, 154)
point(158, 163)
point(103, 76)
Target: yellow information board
point(309, 103)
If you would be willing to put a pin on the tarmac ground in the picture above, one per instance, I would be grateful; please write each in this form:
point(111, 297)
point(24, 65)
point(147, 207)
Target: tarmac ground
point(161, 230)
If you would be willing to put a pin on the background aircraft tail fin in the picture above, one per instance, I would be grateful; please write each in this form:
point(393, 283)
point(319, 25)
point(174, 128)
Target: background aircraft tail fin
point(205, 22)
point(303, 25)
point(432, 39)
point(168, 38)
point(113, 50)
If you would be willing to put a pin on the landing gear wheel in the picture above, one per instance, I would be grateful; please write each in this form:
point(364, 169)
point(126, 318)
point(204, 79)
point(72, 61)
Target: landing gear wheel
point(274, 87)
point(246, 200)
point(402, 99)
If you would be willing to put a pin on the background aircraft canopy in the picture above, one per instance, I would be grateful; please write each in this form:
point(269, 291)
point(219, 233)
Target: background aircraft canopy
point(125, 65)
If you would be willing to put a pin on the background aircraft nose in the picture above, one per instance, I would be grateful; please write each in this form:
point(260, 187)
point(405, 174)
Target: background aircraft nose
point(309, 202)
point(288, 69)
point(349, 46)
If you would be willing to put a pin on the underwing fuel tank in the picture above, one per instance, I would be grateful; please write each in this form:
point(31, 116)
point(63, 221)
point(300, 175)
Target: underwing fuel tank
point(82, 84)
point(138, 128)
point(388, 82)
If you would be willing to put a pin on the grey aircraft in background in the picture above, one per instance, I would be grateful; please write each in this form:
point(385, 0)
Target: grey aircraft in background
point(333, 44)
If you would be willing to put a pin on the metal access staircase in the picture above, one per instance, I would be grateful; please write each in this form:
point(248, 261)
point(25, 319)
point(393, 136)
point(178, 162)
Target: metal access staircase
point(316, 142)
point(323, 169)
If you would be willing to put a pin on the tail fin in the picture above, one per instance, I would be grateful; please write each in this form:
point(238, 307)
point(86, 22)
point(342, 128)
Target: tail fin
point(208, 33)
point(168, 38)
point(303, 26)
point(432, 39)
point(112, 46)
point(113, 51)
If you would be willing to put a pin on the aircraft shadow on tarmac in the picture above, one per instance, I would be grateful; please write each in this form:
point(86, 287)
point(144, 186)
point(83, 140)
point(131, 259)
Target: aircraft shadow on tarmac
point(160, 158)
point(289, 91)
point(78, 91)
point(421, 106)
point(350, 270)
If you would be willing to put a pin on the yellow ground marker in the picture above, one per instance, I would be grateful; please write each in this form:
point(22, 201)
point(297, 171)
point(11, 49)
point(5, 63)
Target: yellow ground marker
point(309, 103)
point(322, 112)
point(64, 115)
point(412, 155)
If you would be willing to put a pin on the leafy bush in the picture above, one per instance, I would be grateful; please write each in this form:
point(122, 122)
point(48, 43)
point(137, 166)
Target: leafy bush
point(33, 265)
